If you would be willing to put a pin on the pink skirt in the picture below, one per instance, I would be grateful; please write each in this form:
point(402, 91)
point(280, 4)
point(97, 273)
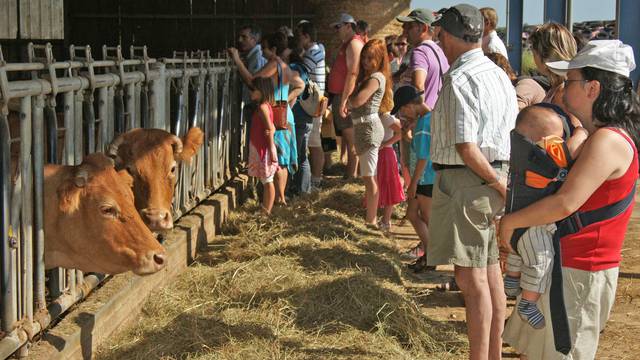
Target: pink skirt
point(388, 178)
point(261, 167)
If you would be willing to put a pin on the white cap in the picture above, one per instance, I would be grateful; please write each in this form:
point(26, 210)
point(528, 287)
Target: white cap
point(609, 55)
point(344, 18)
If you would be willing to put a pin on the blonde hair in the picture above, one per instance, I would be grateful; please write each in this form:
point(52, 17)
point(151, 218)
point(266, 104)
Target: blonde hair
point(553, 42)
point(490, 15)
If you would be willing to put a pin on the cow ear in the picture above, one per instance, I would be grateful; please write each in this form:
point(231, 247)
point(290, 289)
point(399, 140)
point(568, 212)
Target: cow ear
point(70, 190)
point(190, 144)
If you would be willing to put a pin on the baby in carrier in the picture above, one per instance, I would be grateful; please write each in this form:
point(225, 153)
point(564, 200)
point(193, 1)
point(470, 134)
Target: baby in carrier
point(540, 159)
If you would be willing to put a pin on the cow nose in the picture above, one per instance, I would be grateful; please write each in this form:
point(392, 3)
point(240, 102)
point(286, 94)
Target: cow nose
point(152, 262)
point(159, 259)
point(157, 219)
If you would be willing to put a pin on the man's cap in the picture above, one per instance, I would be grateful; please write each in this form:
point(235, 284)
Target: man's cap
point(609, 55)
point(404, 95)
point(344, 19)
point(462, 21)
point(424, 16)
point(303, 21)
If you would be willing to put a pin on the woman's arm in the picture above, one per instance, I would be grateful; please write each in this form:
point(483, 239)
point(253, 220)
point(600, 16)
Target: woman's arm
point(364, 94)
point(296, 86)
point(606, 155)
point(247, 77)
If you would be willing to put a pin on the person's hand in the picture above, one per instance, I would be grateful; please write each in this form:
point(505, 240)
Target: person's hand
point(412, 190)
point(344, 111)
point(500, 186)
point(505, 232)
point(233, 53)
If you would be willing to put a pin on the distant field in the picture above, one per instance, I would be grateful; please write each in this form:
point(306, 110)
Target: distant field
point(527, 62)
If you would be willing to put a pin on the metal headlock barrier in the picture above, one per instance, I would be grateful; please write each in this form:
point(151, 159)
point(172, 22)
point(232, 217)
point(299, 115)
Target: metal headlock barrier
point(57, 112)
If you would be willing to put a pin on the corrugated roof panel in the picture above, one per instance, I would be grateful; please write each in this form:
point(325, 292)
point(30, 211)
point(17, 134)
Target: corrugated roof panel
point(8, 19)
point(41, 19)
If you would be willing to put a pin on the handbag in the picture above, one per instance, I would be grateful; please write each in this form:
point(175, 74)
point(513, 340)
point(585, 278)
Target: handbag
point(280, 107)
point(312, 103)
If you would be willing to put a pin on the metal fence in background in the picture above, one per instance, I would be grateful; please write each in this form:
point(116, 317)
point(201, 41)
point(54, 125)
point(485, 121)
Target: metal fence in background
point(57, 112)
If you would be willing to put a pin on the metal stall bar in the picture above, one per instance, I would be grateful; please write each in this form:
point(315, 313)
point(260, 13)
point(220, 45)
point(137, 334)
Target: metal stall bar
point(556, 11)
point(514, 33)
point(629, 30)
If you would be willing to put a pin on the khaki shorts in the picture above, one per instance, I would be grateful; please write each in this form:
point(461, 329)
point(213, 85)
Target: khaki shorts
point(588, 297)
point(461, 228)
point(315, 139)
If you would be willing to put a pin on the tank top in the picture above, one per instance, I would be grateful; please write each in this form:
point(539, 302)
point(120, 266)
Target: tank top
point(257, 130)
point(373, 104)
point(338, 74)
point(598, 246)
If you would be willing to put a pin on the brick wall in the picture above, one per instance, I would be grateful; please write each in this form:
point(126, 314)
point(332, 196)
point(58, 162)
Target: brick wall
point(380, 14)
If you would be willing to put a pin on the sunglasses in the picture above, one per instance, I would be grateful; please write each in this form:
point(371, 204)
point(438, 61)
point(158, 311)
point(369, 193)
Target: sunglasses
point(400, 44)
point(337, 27)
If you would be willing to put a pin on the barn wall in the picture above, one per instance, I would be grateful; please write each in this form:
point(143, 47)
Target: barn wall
point(166, 25)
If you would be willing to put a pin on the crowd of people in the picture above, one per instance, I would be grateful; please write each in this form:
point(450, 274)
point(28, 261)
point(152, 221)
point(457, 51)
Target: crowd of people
point(524, 184)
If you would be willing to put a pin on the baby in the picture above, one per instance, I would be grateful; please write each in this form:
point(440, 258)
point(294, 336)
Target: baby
point(528, 271)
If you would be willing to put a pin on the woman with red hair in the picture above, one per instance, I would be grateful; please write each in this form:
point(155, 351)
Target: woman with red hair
point(373, 96)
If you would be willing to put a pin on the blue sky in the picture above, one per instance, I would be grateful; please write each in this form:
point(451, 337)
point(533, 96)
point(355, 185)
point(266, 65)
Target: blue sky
point(533, 9)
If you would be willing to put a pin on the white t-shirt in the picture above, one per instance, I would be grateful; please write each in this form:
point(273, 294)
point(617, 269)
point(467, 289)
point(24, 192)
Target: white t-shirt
point(387, 120)
point(493, 44)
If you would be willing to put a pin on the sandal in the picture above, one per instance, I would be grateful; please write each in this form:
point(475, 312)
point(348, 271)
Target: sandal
point(413, 254)
point(450, 285)
point(421, 265)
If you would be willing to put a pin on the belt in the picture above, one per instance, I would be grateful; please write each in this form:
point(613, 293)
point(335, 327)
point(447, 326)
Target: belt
point(495, 164)
point(363, 118)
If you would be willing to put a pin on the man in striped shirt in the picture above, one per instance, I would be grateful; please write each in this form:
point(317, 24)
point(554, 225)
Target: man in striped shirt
point(313, 61)
point(470, 127)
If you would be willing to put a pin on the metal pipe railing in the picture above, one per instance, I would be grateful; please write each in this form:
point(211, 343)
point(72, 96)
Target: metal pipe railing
point(99, 99)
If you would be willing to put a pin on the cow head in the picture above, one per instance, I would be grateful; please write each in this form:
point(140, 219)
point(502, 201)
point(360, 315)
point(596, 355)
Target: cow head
point(151, 157)
point(94, 225)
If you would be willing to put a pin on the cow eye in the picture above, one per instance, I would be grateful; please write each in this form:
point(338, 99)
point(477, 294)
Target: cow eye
point(108, 210)
point(173, 170)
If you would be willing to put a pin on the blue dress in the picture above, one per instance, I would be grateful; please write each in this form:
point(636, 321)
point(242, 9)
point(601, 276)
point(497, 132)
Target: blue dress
point(286, 139)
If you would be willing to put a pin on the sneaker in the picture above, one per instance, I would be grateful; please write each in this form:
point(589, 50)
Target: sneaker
point(384, 227)
point(413, 254)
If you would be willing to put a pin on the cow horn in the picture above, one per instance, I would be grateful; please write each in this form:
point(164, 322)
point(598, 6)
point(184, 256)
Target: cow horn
point(82, 177)
point(112, 150)
point(177, 144)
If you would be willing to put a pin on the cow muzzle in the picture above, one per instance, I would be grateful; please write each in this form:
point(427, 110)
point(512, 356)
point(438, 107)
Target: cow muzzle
point(157, 219)
point(151, 262)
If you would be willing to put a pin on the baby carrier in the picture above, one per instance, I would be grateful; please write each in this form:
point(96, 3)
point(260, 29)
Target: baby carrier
point(534, 174)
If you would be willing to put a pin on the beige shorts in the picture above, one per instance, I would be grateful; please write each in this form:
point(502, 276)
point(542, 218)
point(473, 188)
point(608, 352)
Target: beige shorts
point(461, 227)
point(315, 138)
point(368, 162)
point(588, 297)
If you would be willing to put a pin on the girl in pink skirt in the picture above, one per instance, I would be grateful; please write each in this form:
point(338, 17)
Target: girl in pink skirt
point(263, 159)
point(388, 177)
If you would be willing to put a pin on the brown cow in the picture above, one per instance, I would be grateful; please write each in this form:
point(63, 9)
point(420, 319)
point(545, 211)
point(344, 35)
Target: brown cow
point(91, 223)
point(151, 157)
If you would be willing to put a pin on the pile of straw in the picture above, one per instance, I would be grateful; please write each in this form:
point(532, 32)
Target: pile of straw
point(310, 282)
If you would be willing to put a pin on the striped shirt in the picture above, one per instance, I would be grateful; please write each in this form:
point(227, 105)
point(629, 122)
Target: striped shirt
point(477, 104)
point(314, 63)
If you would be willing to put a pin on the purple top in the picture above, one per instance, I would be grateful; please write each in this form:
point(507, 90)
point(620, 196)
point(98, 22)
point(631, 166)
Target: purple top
point(423, 57)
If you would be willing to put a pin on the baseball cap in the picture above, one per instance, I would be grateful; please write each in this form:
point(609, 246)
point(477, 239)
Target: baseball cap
point(404, 95)
point(462, 21)
point(424, 16)
point(344, 18)
point(609, 55)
